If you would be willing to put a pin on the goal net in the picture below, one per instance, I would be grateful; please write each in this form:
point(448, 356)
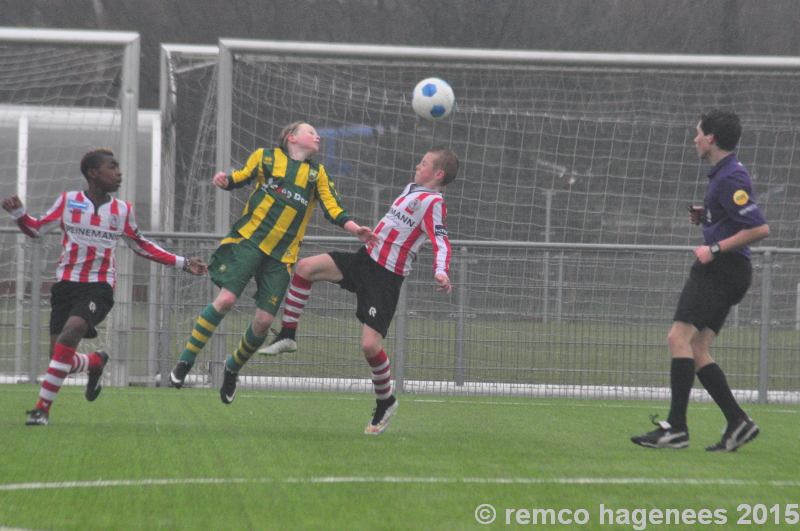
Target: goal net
point(60, 96)
point(568, 217)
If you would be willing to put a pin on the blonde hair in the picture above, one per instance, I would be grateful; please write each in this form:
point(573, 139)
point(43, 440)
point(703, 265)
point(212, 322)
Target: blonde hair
point(289, 130)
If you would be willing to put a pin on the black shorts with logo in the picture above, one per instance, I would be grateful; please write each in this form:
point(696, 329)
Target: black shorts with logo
point(712, 289)
point(89, 300)
point(377, 289)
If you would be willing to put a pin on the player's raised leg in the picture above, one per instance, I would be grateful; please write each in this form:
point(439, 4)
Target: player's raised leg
point(308, 271)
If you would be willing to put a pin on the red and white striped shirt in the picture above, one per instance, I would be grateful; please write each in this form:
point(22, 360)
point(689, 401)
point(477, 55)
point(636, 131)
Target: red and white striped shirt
point(91, 236)
point(416, 213)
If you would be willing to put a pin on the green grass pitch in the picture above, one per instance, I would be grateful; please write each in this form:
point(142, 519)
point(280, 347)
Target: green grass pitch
point(144, 458)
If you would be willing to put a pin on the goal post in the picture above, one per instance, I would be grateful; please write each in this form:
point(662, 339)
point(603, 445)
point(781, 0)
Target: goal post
point(569, 149)
point(59, 83)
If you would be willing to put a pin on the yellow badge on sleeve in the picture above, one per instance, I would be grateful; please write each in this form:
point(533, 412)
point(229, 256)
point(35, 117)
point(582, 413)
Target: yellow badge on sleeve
point(740, 197)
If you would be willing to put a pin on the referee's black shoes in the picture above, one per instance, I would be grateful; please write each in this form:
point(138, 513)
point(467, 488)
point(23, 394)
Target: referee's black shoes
point(737, 434)
point(665, 436)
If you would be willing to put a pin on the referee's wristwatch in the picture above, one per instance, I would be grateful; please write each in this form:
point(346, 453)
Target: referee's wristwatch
point(715, 250)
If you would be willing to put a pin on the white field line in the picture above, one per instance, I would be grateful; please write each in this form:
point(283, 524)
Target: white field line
point(487, 389)
point(680, 482)
point(555, 401)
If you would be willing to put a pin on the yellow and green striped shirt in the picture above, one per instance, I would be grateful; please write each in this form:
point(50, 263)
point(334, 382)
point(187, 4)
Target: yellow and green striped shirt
point(277, 213)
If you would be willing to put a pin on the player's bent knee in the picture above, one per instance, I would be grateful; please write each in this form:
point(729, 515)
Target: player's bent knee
point(370, 349)
point(225, 301)
point(261, 323)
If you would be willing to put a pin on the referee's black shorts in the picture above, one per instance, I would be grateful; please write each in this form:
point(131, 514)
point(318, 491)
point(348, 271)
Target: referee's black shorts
point(712, 289)
point(90, 301)
point(377, 289)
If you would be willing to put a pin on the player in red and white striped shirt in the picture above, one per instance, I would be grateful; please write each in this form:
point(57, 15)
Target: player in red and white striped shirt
point(375, 273)
point(93, 222)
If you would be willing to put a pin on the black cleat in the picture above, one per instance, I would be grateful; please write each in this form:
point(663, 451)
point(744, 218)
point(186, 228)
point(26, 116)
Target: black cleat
point(665, 436)
point(228, 390)
point(178, 374)
point(95, 385)
point(737, 434)
point(37, 417)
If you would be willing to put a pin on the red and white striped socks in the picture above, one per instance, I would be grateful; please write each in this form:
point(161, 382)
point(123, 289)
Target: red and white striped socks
point(381, 375)
point(85, 362)
point(295, 302)
point(60, 365)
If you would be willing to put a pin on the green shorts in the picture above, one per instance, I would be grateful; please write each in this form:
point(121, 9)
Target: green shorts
point(233, 265)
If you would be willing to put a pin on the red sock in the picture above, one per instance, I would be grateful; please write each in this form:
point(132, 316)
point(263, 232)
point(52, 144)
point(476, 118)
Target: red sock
point(60, 366)
point(381, 375)
point(85, 362)
point(295, 302)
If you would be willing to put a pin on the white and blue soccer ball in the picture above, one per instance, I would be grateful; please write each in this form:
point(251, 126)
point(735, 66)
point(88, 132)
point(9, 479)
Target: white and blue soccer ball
point(433, 98)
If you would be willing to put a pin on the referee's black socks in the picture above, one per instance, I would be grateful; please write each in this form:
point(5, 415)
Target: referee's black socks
point(713, 379)
point(681, 381)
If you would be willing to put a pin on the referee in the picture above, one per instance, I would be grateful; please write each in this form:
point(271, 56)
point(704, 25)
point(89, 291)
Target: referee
point(718, 280)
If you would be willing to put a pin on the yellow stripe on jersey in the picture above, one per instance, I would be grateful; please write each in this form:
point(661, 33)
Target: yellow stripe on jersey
point(253, 165)
point(290, 255)
point(279, 230)
point(230, 240)
point(258, 216)
point(301, 179)
point(329, 202)
point(280, 164)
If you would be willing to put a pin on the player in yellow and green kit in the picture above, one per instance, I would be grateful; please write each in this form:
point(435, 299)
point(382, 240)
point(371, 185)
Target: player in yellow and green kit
point(264, 242)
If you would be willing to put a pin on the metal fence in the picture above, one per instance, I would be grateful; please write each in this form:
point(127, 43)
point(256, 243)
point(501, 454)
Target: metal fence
point(533, 319)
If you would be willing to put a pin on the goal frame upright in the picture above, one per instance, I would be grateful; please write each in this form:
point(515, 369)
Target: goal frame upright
point(128, 102)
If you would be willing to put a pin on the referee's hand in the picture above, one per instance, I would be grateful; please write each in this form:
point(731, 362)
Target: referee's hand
point(696, 214)
point(703, 254)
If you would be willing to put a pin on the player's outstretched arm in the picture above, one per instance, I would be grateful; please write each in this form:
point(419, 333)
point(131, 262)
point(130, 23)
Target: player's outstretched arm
point(444, 282)
point(30, 225)
point(220, 180)
point(362, 232)
point(13, 204)
point(195, 265)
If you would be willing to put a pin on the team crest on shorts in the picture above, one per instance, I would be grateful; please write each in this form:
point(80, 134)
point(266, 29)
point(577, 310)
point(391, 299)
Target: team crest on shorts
point(92, 306)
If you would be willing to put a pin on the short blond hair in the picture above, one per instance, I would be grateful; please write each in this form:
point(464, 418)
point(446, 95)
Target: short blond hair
point(289, 130)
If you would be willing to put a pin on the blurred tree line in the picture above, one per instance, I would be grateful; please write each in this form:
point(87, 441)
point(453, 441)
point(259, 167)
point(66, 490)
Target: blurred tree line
point(752, 27)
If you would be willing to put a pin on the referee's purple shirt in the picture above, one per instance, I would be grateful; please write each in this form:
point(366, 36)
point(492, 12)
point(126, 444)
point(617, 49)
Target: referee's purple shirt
point(730, 202)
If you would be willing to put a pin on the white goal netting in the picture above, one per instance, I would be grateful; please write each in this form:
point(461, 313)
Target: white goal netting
point(559, 153)
point(57, 101)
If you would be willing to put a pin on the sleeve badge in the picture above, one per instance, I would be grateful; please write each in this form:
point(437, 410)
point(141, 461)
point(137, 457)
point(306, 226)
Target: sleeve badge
point(740, 197)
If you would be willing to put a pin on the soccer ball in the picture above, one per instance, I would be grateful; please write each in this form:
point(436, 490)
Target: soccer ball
point(433, 98)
